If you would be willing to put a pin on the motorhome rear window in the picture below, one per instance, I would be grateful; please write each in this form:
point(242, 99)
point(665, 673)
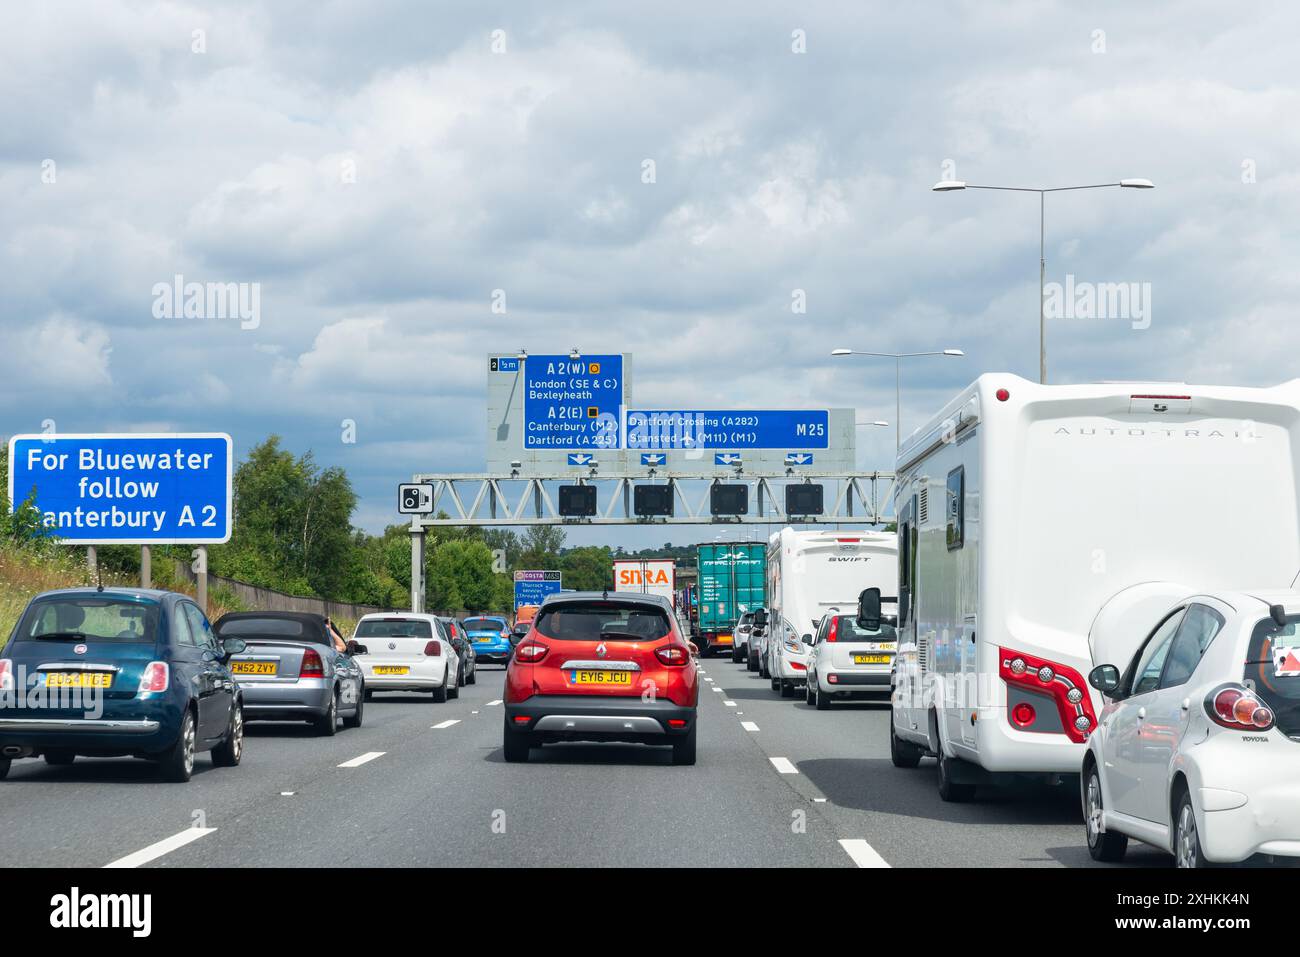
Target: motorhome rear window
point(609, 621)
point(394, 628)
point(1272, 674)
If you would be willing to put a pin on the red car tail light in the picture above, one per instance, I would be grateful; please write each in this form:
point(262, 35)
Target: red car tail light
point(1063, 683)
point(522, 719)
point(674, 655)
point(6, 675)
point(835, 628)
point(156, 677)
point(676, 723)
point(531, 652)
point(1232, 706)
point(312, 666)
point(433, 649)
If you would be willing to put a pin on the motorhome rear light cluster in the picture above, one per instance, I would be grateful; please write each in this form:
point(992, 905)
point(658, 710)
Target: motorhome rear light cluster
point(1062, 682)
point(1232, 706)
point(1024, 714)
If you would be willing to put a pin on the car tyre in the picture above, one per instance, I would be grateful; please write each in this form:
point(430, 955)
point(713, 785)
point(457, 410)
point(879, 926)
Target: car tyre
point(808, 694)
point(1109, 846)
point(440, 694)
point(327, 725)
point(735, 655)
point(455, 691)
point(904, 754)
point(515, 745)
point(954, 792)
point(787, 688)
point(751, 663)
point(59, 759)
point(360, 714)
point(473, 676)
point(1187, 839)
point(821, 698)
point(176, 764)
point(231, 749)
point(370, 695)
point(4, 767)
point(684, 747)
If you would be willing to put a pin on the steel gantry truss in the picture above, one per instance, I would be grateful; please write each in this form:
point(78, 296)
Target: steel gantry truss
point(486, 499)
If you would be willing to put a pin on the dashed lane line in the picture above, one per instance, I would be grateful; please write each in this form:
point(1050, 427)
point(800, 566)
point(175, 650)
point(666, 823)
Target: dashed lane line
point(363, 759)
point(165, 846)
point(784, 765)
point(445, 724)
point(863, 854)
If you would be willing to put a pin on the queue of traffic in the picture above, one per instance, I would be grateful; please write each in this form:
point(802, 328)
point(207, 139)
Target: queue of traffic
point(109, 672)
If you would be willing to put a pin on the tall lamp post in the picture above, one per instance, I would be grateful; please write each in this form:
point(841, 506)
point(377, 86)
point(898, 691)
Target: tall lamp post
point(898, 401)
point(951, 185)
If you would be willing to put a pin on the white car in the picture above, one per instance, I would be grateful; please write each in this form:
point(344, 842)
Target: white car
point(408, 652)
point(849, 662)
point(1193, 752)
point(740, 637)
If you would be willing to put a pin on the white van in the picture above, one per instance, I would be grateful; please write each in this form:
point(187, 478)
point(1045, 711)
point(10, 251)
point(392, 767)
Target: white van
point(1024, 509)
point(809, 575)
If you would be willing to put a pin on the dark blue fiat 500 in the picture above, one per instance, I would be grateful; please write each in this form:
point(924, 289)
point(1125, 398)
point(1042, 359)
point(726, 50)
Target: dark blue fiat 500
point(118, 672)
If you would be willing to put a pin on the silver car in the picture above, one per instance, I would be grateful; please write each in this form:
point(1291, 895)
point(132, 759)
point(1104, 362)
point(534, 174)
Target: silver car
point(291, 671)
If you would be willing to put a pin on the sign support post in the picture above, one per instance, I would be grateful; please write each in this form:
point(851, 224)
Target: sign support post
point(146, 567)
point(201, 577)
point(417, 570)
point(92, 563)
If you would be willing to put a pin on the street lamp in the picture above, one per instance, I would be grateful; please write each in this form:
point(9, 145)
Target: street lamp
point(952, 185)
point(898, 402)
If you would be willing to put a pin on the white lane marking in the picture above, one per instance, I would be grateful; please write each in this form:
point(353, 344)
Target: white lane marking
point(368, 756)
point(473, 712)
point(709, 680)
point(863, 854)
point(729, 704)
point(492, 703)
point(717, 689)
point(819, 800)
point(445, 724)
point(165, 846)
point(287, 794)
point(749, 726)
point(783, 765)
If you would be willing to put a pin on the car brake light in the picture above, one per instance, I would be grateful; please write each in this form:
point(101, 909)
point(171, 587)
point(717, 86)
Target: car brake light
point(531, 652)
point(6, 675)
point(312, 666)
point(433, 649)
point(521, 719)
point(156, 677)
point(676, 723)
point(1231, 706)
point(1063, 683)
point(673, 655)
point(833, 679)
point(835, 627)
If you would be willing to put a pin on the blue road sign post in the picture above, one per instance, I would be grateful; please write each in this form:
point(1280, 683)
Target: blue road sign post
point(532, 587)
point(126, 489)
point(572, 404)
point(732, 430)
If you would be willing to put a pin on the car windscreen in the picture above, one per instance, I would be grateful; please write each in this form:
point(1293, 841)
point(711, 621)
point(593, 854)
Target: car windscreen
point(90, 618)
point(1273, 670)
point(395, 628)
point(484, 624)
point(604, 620)
point(848, 629)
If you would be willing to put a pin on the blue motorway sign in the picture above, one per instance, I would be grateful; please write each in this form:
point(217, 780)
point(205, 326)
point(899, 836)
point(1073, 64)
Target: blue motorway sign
point(126, 489)
point(765, 429)
point(532, 587)
point(572, 403)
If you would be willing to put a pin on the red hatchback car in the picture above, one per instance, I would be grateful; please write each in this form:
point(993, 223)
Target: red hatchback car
point(602, 666)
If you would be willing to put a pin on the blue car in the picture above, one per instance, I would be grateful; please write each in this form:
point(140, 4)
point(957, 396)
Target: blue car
point(490, 636)
point(109, 673)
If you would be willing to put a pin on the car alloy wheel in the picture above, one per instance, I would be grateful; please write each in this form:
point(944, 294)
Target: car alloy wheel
point(1187, 843)
point(1092, 810)
point(188, 744)
point(237, 733)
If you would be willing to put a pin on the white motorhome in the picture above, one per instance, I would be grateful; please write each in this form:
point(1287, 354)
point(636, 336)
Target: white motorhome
point(810, 574)
point(1024, 509)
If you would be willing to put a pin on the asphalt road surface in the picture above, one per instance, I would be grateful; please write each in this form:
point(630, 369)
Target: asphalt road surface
point(420, 784)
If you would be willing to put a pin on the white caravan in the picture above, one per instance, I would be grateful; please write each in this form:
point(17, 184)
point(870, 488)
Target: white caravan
point(810, 574)
point(1024, 509)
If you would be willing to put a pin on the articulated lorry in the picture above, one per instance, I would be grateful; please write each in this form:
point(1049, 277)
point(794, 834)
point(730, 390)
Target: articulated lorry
point(732, 580)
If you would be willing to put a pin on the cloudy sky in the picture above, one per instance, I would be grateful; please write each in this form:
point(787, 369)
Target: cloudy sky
point(378, 169)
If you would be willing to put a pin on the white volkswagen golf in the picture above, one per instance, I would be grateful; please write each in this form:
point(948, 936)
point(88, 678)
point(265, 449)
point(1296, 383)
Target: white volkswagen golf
point(1197, 750)
point(405, 651)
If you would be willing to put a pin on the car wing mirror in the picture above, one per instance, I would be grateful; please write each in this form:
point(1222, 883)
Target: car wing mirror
point(1105, 678)
point(807, 639)
point(356, 648)
point(231, 647)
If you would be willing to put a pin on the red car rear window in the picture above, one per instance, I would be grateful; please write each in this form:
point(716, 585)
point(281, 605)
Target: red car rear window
point(607, 621)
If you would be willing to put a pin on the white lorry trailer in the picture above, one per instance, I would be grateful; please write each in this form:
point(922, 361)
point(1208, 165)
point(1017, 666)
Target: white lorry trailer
point(1024, 510)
